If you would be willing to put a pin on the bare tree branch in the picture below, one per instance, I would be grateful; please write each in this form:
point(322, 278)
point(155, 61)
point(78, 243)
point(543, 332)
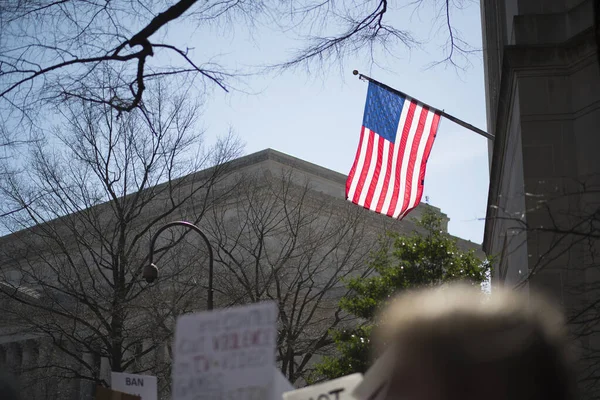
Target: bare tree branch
point(72, 268)
point(275, 238)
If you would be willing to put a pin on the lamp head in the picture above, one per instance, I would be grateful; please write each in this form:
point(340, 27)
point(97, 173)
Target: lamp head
point(150, 273)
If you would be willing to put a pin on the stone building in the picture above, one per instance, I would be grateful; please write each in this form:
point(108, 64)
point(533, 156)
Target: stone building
point(543, 104)
point(271, 210)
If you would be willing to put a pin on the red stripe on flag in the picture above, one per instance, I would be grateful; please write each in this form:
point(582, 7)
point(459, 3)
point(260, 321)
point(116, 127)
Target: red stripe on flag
point(356, 159)
point(386, 182)
point(377, 172)
point(365, 168)
point(401, 148)
point(413, 158)
point(432, 132)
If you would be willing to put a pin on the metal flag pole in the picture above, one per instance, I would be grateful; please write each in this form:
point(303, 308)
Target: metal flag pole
point(442, 113)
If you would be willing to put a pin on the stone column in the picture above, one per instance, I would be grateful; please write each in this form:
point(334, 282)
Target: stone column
point(148, 359)
point(105, 369)
point(47, 385)
point(30, 355)
point(74, 383)
point(29, 372)
point(13, 357)
point(160, 355)
point(161, 359)
point(2, 356)
point(86, 387)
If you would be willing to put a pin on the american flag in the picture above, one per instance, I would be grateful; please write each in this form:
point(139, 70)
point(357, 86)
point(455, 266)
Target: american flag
point(396, 138)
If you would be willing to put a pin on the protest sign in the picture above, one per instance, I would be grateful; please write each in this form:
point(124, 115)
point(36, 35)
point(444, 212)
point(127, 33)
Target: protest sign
point(281, 385)
point(336, 389)
point(140, 385)
point(103, 393)
point(226, 354)
point(374, 385)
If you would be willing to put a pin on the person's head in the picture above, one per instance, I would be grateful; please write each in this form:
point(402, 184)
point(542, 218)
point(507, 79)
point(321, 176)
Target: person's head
point(455, 342)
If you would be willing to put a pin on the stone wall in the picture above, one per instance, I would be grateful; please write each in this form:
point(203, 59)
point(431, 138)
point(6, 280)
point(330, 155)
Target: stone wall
point(324, 187)
point(543, 96)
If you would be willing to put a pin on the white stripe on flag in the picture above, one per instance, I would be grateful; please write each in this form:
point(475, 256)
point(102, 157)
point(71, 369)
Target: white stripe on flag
point(418, 161)
point(406, 158)
point(382, 174)
point(388, 197)
point(371, 172)
point(361, 163)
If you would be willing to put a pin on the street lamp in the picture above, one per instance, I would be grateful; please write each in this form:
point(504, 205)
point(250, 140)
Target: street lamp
point(150, 272)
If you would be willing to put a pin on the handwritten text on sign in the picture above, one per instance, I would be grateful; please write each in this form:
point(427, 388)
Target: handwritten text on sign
point(225, 355)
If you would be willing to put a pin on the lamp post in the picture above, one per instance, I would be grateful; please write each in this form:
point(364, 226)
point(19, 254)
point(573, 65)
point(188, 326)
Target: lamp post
point(150, 272)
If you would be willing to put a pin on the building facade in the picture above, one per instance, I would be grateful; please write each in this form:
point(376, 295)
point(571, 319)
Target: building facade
point(543, 103)
point(279, 226)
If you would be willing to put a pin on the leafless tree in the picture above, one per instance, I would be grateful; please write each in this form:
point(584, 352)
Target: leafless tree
point(52, 50)
point(90, 198)
point(277, 239)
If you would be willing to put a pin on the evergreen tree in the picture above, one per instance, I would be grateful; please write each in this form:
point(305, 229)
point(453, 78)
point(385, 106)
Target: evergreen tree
point(427, 258)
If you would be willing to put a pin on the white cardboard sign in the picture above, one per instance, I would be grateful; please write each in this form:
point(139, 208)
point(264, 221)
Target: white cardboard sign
point(227, 354)
point(281, 385)
point(336, 389)
point(374, 385)
point(140, 385)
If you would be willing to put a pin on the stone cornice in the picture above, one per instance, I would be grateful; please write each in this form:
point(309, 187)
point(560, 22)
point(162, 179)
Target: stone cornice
point(553, 28)
point(227, 168)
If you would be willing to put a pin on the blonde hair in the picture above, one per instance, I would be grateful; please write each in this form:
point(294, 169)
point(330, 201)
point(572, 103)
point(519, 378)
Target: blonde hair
point(519, 339)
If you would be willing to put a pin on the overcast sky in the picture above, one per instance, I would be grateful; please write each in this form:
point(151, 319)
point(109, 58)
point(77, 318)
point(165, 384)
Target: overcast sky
point(317, 116)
